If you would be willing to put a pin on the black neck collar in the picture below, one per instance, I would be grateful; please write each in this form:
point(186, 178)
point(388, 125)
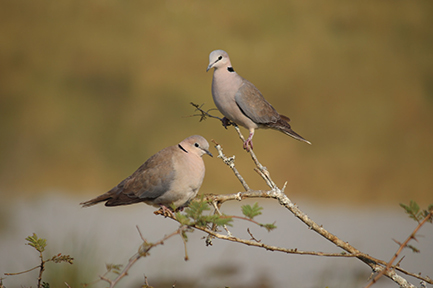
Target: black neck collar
point(230, 69)
point(183, 149)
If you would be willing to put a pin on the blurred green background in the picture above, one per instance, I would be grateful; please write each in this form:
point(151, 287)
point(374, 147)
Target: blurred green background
point(90, 89)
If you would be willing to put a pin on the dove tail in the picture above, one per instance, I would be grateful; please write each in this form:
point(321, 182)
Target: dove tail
point(94, 201)
point(282, 125)
point(114, 197)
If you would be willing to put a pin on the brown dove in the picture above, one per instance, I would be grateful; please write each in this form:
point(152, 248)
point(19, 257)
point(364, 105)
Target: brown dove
point(172, 176)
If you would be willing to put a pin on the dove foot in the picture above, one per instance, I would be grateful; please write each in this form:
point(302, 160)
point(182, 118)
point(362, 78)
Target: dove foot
point(166, 212)
point(249, 142)
point(226, 122)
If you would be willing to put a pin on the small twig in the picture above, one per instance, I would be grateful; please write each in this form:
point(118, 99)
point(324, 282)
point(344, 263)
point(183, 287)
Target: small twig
point(22, 272)
point(265, 177)
point(252, 237)
point(399, 261)
point(204, 114)
point(143, 251)
point(220, 214)
point(186, 258)
point(231, 163)
point(243, 218)
point(145, 281)
point(208, 240)
point(141, 235)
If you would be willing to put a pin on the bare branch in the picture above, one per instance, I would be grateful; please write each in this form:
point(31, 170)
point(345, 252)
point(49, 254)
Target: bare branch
point(204, 114)
point(402, 246)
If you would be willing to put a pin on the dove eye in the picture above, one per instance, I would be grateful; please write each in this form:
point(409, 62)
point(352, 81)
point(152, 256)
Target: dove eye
point(196, 145)
point(219, 58)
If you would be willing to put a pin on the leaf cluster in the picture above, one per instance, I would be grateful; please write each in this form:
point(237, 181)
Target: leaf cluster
point(38, 243)
point(115, 268)
point(252, 211)
point(194, 216)
point(59, 258)
point(415, 212)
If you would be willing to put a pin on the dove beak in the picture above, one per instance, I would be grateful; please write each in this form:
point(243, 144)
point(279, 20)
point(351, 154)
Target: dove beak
point(207, 152)
point(209, 67)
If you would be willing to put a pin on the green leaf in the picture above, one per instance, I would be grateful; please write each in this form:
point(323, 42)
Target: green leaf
point(196, 209)
point(414, 206)
point(183, 219)
point(251, 212)
point(413, 248)
point(194, 216)
point(62, 258)
point(413, 210)
point(37, 243)
point(269, 227)
point(184, 235)
point(115, 268)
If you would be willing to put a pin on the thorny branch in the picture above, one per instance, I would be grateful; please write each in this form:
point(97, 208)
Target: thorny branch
point(402, 246)
point(278, 194)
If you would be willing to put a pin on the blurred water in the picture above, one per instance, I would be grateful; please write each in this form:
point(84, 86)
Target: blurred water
point(99, 235)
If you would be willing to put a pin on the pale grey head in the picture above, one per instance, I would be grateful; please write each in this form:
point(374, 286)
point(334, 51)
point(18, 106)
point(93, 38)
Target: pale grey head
point(218, 59)
point(196, 144)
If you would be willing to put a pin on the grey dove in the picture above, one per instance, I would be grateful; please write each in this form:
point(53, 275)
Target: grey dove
point(241, 102)
point(171, 176)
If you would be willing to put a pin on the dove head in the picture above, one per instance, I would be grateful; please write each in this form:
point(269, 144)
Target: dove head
point(218, 59)
point(196, 144)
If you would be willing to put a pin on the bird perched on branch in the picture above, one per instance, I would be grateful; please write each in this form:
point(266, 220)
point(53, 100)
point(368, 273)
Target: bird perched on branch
point(172, 176)
point(241, 102)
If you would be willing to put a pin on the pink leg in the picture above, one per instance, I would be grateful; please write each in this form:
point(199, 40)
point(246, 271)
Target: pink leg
point(249, 141)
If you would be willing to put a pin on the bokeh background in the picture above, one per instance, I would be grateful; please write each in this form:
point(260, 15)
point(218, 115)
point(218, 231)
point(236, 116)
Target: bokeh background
point(90, 89)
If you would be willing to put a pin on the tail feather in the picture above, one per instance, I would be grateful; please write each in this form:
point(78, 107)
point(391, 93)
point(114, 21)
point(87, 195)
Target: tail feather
point(99, 199)
point(282, 125)
point(114, 197)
